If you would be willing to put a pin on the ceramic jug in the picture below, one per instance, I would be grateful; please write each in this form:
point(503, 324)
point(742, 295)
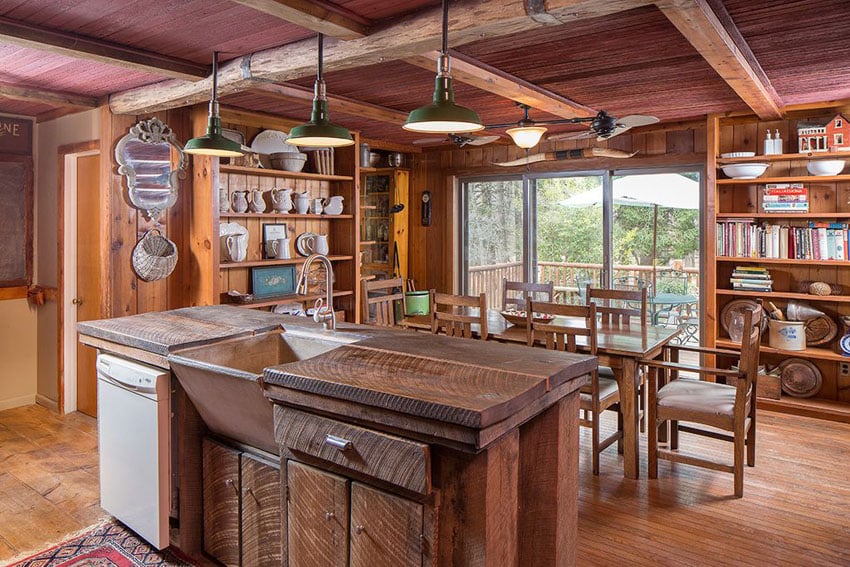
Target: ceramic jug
point(257, 204)
point(302, 203)
point(316, 206)
point(223, 200)
point(333, 205)
point(282, 200)
point(236, 247)
point(317, 244)
point(278, 248)
point(239, 201)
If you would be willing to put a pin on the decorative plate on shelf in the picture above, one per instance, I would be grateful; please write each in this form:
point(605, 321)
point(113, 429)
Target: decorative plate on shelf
point(272, 141)
point(301, 245)
point(800, 378)
point(738, 305)
point(820, 330)
point(518, 318)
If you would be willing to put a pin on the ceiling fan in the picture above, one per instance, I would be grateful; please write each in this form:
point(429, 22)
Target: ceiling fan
point(527, 132)
point(460, 140)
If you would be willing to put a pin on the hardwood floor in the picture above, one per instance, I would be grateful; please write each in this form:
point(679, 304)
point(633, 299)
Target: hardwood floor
point(48, 478)
point(794, 511)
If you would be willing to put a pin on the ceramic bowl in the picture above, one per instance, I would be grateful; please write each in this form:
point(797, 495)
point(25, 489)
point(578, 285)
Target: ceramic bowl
point(825, 166)
point(738, 154)
point(288, 161)
point(744, 170)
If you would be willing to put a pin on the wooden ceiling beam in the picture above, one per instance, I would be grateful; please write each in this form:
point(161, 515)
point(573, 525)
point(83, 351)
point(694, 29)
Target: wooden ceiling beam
point(291, 93)
point(468, 70)
point(471, 20)
point(42, 96)
point(321, 17)
point(713, 34)
point(81, 47)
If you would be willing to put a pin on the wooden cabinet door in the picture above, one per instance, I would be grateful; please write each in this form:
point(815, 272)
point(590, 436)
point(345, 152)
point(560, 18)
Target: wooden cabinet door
point(385, 529)
point(317, 517)
point(261, 519)
point(221, 502)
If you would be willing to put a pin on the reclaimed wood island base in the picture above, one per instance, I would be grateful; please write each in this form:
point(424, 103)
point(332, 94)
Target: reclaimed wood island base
point(395, 448)
point(429, 451)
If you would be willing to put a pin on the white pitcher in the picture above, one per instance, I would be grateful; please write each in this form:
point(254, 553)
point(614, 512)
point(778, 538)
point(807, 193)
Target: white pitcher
point(316, 206)
point(236, 247)
point(333, 205)
point(282, 200)
point(279, 248)
point(258, 203)
point(317, 244)
point(239, 201)
point(302, 203)
point(223, 200)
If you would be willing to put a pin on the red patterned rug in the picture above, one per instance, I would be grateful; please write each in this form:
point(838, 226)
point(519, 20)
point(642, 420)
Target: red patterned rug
point(107, 545)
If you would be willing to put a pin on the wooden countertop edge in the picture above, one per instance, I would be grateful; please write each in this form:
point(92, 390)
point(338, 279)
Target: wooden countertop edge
point(126, 351)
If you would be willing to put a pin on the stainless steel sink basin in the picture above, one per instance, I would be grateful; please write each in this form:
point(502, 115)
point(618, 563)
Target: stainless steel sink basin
point(222, 379)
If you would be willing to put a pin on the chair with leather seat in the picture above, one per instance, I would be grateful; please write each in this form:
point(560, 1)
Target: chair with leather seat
point(379, 300)
point(599, 393)
point(514, 294)
point(623, 308)
point(729, 408)
point(454, 315)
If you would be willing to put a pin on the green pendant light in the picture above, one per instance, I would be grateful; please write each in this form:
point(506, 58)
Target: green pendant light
point(443, 115)
point(320, 131)
point(213, 143)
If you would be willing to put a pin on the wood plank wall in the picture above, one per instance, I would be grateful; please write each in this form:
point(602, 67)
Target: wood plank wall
point(432, 249)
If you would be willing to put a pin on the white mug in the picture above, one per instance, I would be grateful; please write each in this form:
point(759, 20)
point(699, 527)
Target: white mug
point(280, 248)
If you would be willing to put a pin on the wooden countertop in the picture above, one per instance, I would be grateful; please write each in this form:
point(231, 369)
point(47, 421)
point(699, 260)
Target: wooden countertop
point(468, 383)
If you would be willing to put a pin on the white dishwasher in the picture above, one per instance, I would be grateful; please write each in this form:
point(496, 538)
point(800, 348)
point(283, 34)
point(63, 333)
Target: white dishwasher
point(133, 417)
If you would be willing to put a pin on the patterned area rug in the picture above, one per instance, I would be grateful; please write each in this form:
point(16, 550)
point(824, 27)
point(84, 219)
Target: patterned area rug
point(108, 545)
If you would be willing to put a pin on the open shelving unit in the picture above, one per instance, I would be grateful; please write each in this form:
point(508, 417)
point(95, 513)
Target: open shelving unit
point(829, 202)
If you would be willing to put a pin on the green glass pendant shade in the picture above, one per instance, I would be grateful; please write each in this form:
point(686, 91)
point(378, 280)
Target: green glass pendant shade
point(443, 115)
point(320, 132)
point(213, 143)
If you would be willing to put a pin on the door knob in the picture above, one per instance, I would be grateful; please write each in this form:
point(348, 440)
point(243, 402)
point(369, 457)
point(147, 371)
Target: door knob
point(77, 301)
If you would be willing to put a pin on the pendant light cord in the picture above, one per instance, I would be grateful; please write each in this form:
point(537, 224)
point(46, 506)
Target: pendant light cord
point(445, 26)
point(214, 97)
point(321, 57)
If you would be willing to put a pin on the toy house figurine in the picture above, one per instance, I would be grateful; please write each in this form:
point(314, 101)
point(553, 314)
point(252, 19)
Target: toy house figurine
point(832, 136)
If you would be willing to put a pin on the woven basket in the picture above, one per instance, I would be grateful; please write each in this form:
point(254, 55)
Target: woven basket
point(154, 256)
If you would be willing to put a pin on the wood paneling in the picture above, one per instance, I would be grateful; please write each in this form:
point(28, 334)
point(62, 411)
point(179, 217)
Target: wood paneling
point(221, 503)
point(261, 521)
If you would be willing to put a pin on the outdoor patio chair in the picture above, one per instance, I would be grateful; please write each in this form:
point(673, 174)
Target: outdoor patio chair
point(725, 407)
point(516, 301)
point(599, 393)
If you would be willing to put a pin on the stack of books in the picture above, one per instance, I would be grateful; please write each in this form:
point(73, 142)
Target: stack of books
point(751, 278)
point(785, 198)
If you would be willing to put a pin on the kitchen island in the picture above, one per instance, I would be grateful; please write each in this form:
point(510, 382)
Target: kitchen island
point(401, 448)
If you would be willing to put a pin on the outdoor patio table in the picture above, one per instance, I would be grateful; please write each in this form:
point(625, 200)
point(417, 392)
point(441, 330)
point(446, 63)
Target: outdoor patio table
point(662, 302)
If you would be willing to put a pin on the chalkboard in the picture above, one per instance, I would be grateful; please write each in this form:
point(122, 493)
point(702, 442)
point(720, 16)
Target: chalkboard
point(15, 220)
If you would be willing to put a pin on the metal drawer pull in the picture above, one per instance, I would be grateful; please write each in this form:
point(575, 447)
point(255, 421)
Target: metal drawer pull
point(338, 442)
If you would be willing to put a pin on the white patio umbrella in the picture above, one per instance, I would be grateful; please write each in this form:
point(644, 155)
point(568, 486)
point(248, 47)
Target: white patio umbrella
point(665, 190)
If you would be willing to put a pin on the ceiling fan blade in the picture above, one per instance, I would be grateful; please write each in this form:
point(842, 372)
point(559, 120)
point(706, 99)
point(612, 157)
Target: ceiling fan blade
point(634, 120)
point(430, 141)
point(568, 154)
point(481, 140)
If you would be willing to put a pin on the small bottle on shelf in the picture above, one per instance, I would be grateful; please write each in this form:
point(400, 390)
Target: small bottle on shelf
point(777, 143)
point(768, 144)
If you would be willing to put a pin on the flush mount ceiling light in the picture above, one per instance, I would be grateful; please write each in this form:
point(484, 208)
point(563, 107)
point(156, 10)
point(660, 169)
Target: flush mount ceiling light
point(319, 131)
point(213, 143)
point(443, 115)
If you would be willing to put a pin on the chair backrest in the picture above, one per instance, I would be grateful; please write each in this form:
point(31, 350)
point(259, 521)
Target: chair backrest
point(455, 314)
point(750, 342)
point(560, 334)
point(539, 291)
point(631, 283)
point(619, 306)
point(671, 281)
point(379, 299)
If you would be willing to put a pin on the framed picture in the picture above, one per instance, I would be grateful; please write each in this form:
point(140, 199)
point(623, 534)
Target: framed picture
point(272, 281)
point(272, 231)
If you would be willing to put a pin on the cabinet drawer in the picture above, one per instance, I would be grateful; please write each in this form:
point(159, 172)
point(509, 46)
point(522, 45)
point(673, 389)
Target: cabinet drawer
point(386, 457)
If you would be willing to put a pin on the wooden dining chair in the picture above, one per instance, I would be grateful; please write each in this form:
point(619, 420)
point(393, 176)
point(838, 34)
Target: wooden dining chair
point(454, 314)
point(599, 393)
point(724, 407)
point(515, 301)
point(623, 308)
point(379, 299)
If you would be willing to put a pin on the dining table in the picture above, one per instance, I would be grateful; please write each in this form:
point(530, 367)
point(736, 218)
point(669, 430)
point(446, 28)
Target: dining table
point(618, 347)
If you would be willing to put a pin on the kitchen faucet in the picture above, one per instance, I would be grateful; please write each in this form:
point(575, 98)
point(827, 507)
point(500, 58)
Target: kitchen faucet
point(323, 313)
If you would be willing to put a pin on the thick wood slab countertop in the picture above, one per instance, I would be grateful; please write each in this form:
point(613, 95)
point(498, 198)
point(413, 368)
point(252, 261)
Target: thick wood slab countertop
point(165, 331)
point(468, 383)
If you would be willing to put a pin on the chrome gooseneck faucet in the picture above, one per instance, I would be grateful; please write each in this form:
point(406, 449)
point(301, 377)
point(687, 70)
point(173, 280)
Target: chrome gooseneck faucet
point(324, 308)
